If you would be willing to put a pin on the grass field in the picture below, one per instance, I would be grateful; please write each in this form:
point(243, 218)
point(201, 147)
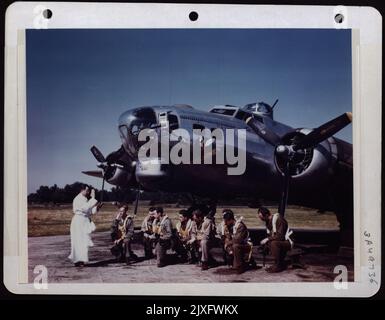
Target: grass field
point(55, 220)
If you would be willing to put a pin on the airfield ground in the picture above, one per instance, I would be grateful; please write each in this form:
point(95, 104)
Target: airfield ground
point(52, 251)
point(55, 220)
point(49, 245)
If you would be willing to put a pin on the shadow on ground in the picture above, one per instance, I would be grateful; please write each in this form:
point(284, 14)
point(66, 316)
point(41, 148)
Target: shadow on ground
point(53, 251)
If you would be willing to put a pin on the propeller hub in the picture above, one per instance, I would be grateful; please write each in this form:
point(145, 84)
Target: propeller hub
point(283, 151)
point(101, 165)
point(287, 158)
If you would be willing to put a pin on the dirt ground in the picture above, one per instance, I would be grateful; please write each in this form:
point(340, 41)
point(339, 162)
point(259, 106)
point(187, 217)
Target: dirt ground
point(49, 245)
point(53, 251)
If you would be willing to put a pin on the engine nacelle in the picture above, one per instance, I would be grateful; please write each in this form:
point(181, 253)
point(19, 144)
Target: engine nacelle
point(118, 175)
point(311, 165)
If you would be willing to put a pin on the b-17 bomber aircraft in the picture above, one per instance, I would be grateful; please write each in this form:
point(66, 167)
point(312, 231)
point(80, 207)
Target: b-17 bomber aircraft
point(316, 166)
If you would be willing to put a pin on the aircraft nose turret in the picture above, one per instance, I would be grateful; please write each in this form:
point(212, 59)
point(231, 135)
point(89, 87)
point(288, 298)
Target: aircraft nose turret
point(131, 123)
point(260, 108)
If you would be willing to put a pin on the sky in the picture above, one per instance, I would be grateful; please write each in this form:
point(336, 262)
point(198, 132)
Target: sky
point(80, 81)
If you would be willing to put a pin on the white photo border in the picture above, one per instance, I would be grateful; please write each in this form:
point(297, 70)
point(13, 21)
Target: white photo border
point(366, 26)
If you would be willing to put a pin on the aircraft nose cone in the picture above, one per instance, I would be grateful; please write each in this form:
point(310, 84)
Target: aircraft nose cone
point(131, 123)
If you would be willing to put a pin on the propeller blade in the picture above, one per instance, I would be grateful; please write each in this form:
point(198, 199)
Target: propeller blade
point(94, 173)
point(98, 154)
point(264, 132)
point(324, 131)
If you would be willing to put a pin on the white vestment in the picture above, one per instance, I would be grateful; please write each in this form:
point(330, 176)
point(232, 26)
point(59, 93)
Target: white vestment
point(81, 227)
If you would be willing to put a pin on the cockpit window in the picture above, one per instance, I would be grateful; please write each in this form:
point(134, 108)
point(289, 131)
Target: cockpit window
point(225, 112)
point(173, 122)
point(242, 115)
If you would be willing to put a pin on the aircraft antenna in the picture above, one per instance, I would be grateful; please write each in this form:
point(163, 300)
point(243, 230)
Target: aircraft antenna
point(274, 104)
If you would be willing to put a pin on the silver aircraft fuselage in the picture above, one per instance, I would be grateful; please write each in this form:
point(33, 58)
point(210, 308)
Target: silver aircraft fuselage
point(313, 184)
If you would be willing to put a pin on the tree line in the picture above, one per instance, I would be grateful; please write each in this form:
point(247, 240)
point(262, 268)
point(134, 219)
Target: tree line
point(56, 195)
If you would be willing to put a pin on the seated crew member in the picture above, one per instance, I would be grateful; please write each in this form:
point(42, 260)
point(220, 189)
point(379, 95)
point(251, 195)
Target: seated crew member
point(226, 237)
point(278, 240)
point(146, 228)
point(237, 244)
point(186, 237)
point(206, 231)
point(122, 232)
point(162, 228)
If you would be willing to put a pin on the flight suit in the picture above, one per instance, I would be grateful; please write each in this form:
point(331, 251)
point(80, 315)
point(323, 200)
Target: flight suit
point(205, 236)
point(226, 236)
point(279, 239)
point(236, 244)
point(146, 228)
point(186, 240)
point(163, 234)
point(242, 248)
point(122, 232)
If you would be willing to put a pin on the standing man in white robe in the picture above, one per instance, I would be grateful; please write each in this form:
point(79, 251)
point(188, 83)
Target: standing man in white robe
point(82, 226)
